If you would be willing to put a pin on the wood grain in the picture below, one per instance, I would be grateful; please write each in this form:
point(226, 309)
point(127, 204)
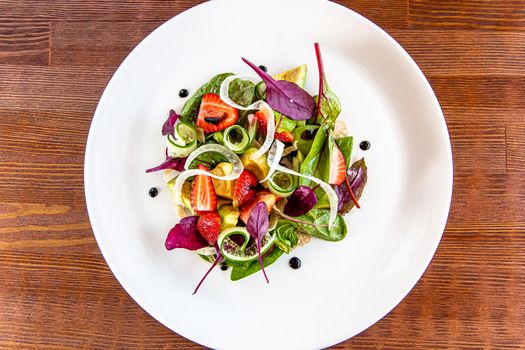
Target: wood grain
point(515, 145)
point(57, 56)
point(471, 14)
point(465, 52)
point(24, 42)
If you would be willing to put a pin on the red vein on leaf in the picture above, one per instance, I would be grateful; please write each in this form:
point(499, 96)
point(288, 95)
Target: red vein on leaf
point(321, 79)
point(219, 257)
point(260, 260)
point(351, 192)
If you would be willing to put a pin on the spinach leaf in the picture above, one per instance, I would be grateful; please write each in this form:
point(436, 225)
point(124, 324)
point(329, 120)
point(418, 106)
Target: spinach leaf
point(304, 135)
point(242, 92)
point(345, 145)
point(246, 269)
point(285, 235)
point(324, 160)
point(311, 163)
point(320, 218)
point(210, 159)
point(285, 123)
point(328, 106)
point(191, 107)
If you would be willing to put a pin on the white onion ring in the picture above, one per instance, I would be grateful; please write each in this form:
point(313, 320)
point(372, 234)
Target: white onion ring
point(225, 86)
point(230, 157)
point(274, 157)
point(170, 174)
point(212, 147)
point(290, 149)
point(270, 131)
point(332, 196)
point(260, 105)
point(207, 251)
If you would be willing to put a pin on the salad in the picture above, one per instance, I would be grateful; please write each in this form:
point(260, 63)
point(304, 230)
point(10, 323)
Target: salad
point(258, 166)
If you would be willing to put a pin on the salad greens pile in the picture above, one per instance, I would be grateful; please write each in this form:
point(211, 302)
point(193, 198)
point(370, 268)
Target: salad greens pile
point(255, 166)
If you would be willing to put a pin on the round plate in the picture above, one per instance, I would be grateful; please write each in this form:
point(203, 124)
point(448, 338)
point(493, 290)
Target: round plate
point(342, 288)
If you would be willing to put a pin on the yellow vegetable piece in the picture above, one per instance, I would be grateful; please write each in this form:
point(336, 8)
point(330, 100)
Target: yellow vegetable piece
point(223, 188)
point(259, 167)
point(229, 216)
point(295, 75)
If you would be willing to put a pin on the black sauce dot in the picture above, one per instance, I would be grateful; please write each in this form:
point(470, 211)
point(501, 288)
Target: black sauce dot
point(263, 68)
point(364, 145)
point(224, 267)
point(183, 93)
point(153, 192)
point(295, 263)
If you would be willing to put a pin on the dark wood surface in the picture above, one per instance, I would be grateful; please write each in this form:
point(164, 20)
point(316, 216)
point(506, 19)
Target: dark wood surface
point(56, 292)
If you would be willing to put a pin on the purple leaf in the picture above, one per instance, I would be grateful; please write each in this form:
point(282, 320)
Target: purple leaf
point(185, 235)
point(258, 221)
point(357, 177)
point(257, 226)
point(170, 163)
point(286, 97)
point(218, 258)
point(301, 201)
point(168, 127)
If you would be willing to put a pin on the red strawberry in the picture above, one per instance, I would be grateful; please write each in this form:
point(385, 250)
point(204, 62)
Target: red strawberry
point(209, 226)
point(337, 166)
point(244, 189)
point(284, 136)
point(203, 197)
point(262, 196)
point(262, 124)
point(215, 114)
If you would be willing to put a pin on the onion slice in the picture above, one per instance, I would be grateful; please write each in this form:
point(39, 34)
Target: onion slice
point(170, 174)
point(274, 157)
point(225, 86)
point(229, 155)
point(270, 131)
point(260, 105)
point(332, 196)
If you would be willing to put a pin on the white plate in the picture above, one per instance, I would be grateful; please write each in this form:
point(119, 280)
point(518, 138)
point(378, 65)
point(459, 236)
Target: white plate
point(342, 288)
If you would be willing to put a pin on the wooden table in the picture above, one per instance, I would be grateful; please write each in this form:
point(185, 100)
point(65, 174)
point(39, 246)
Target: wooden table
point(56, 57)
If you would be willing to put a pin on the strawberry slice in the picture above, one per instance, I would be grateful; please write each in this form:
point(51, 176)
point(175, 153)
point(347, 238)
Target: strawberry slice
point(337, 166)
point(284, 136)
point(209, 226)
point(262, 196)
point(262, 124)
point(215, 114)
point(244, 189)
point(203, 197)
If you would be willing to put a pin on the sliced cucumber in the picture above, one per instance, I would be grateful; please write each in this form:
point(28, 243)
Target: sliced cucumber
point(185, 132)
point(184, 142)
point(236, 138)
point(260, 90)
point(282, 184)
point(242, 253)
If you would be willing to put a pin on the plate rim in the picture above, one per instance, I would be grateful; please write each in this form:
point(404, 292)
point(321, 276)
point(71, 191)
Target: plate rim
point(97, 231)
